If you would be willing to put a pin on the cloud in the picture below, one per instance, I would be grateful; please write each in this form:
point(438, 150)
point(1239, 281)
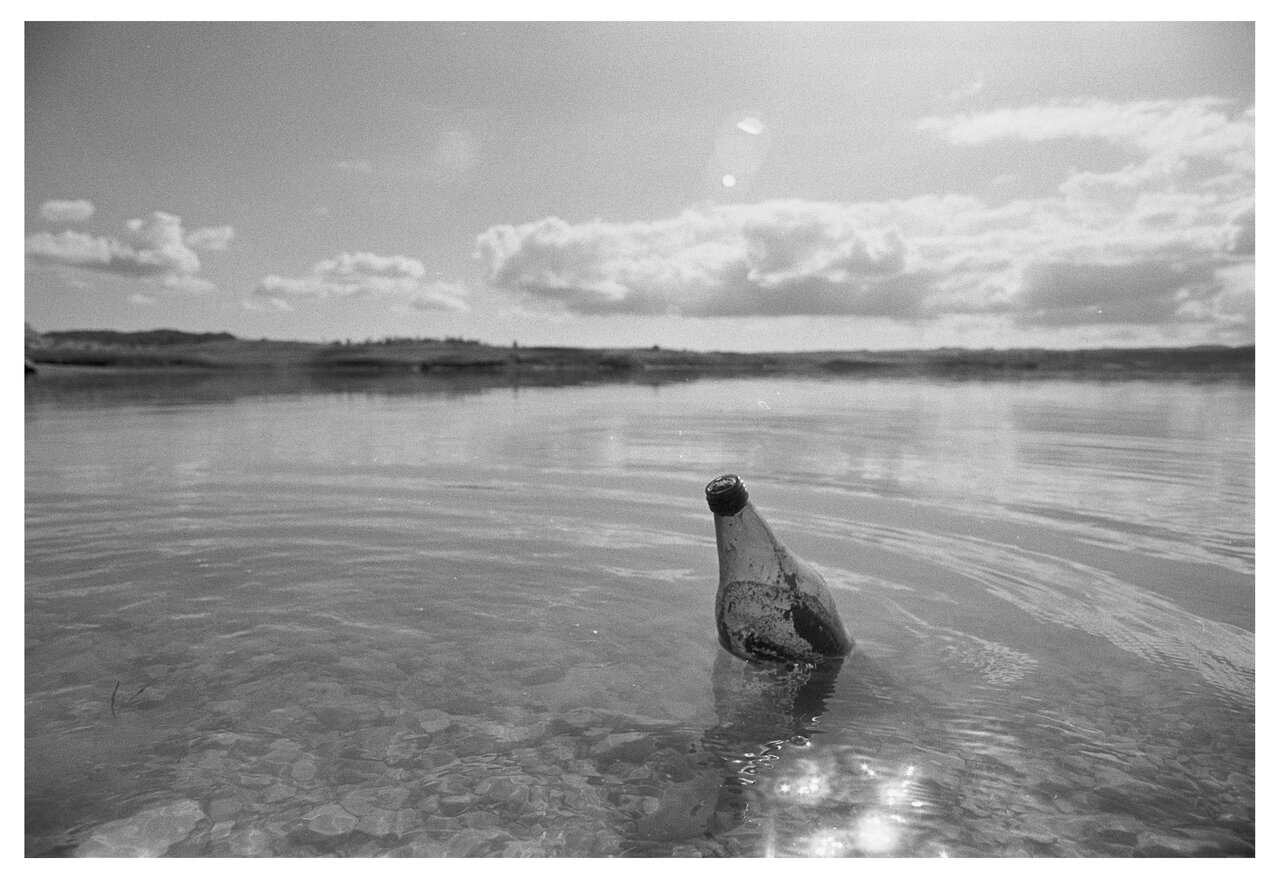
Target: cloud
point(75, 211)
point(1206, 127)
point(970, 89)
point(271, 303)
point(440, 296)
point(1051, 262)
point(211, 238)
point(366, 275)
point(1164, 237)
point(188, 284)
point(357, 266)
point(1242, 234)
point(153, 248)
point(780, 257)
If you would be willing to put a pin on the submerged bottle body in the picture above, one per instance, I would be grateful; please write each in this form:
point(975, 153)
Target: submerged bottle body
point(770, 604)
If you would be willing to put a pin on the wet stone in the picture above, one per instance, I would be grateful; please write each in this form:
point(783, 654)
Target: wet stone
point(383, 822)
point(1117, 836)
point(629, 747)
point(378, 822)
point(456, 805)
point(478, 820)
point(1158, 845)
point(350, 771)
point(436, 758)
point(250, 843)
point(420, 848)
point(442, 822)
point(278, 792)
point(343, 719)
point(464, 843)
point(433, 720)
point(330, 820)
point(362, 802)
point(375, 743)
point(472, 744)
point(255, 780)
point(303, 770)
point(224, 807)
point(496, 789)
point(148, 834)
point(454, 785)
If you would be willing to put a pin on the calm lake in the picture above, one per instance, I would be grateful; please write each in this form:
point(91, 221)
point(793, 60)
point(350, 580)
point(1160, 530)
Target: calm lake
point(401, 618)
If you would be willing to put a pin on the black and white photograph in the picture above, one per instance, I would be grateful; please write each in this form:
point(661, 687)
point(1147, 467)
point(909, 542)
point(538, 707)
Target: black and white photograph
point(672, 437)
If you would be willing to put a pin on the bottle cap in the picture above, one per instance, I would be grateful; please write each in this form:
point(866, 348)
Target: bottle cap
point(726, 495)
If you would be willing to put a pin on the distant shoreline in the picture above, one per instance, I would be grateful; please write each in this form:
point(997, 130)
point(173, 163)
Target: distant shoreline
point(105, 352)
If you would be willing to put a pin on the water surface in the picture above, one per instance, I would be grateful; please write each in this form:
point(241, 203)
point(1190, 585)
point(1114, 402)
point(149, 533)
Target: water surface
point(375, 618)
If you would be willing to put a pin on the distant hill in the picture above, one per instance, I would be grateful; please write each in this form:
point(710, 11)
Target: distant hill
point(158, 338)
point(166, 348)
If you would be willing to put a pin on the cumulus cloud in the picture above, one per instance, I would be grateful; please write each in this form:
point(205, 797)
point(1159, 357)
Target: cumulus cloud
point(782, 257)
point(73, 211)
point(1048, 261)
point(366, 275)
point(154, 248)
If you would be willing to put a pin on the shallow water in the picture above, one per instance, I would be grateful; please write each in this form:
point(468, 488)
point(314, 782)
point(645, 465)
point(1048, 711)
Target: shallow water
point(387, 619)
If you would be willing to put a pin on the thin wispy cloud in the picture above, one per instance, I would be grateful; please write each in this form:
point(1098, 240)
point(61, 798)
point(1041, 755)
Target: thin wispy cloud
point(1207, 127)
point(400, 279)
point(970, 89)
point(68, 211)
point(211, 238)
point(451, 156)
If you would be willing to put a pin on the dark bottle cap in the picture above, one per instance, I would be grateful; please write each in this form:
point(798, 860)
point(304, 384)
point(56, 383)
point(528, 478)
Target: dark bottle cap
point(726, 495)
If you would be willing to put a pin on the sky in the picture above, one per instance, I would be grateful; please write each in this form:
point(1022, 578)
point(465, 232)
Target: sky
point(731, 186)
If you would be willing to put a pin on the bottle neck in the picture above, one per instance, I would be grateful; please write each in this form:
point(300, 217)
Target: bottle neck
point(743, 535)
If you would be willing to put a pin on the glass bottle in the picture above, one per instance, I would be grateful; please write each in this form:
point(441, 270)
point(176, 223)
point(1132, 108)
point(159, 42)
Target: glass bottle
point(771, 605)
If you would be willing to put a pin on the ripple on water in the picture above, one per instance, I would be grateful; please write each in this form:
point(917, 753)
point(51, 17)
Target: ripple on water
point(426, 626)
